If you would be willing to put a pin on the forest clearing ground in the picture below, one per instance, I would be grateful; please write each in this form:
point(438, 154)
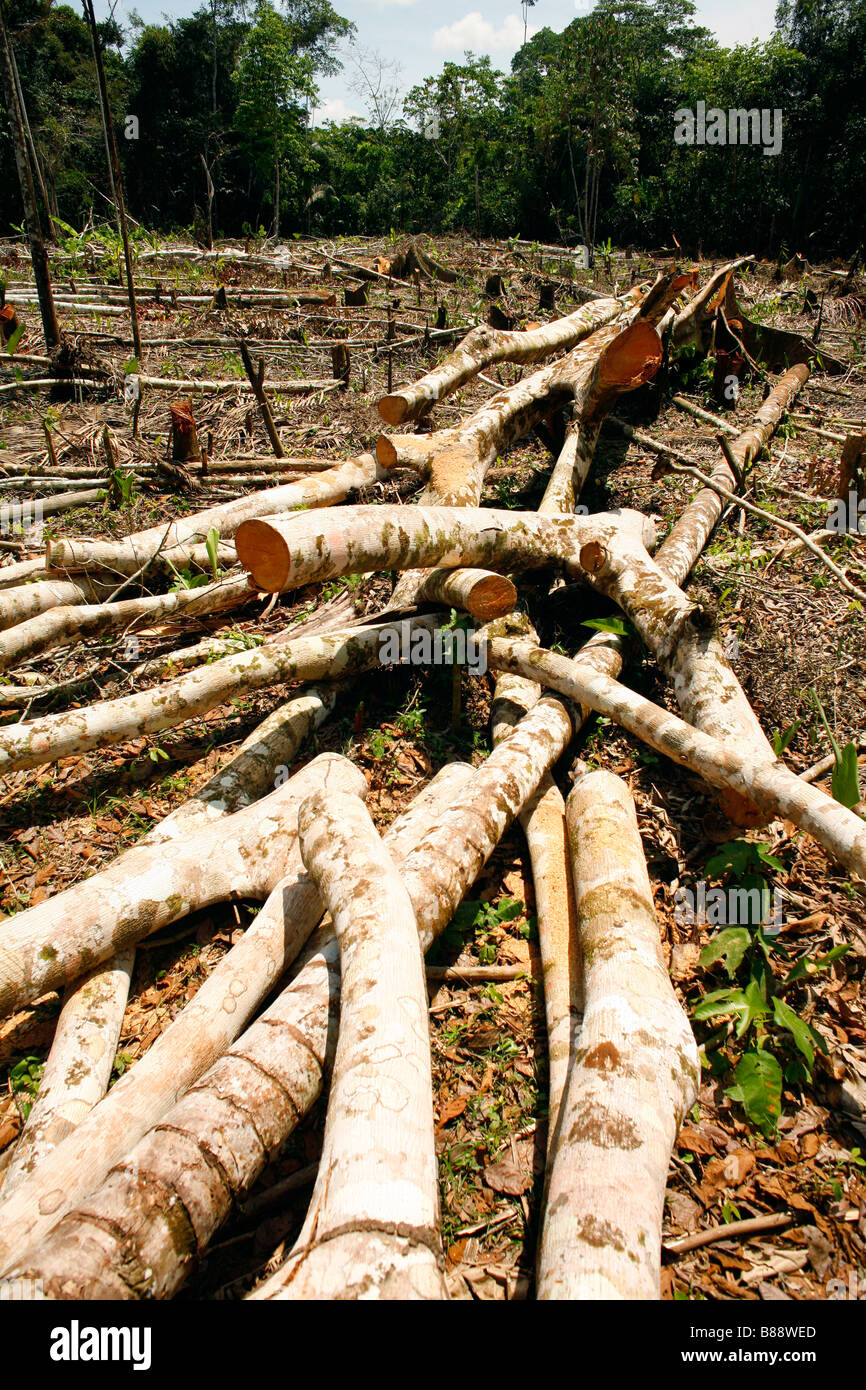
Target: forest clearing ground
point(786, 630)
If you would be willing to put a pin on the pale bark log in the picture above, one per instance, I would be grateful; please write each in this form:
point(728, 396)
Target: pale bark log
point(47, 946)
point(455, 461)
point(63, 626)
point(613, 359)
point(372, 1228)
point(217, 1013)
point(634, 1075)
point(543, 823)
point(289, 552)
point(772, 787)
point(485, 346)
point(481, 593)
point(128, 556)
point(139, 1233)
point(19, 604)
point(78, 1068)
point(329, 657)
point(691, 532)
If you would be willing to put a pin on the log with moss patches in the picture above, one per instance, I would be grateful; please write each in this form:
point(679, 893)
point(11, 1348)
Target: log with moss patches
point(633, 1076)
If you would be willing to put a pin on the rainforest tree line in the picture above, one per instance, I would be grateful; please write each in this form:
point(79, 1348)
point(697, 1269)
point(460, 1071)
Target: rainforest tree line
point(575, 143)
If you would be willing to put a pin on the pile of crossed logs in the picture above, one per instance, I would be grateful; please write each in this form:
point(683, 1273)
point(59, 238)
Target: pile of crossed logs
point(116, 1194)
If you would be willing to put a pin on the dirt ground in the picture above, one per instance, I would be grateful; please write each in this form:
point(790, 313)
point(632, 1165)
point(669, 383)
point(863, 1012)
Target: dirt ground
point(790, 629)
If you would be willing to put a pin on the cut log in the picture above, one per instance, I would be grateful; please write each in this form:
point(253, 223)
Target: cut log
point(287, 553)
point(63, 626)
point(454, 462)
point(373, 1221)
point(480, 593)
point(47, 946)
point(213, 1018)
point(78, 1068)
point(128, 556)
point(214, 1142)
point(329, 657)
point(543, 823)
point(634, 1075)
point(126, 1240)
point(485, 346)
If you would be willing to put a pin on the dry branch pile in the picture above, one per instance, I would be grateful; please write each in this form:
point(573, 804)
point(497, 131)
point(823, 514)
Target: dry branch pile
point(121, 1192)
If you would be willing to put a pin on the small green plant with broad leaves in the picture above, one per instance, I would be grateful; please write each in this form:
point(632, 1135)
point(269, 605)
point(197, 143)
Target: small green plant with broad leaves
point(754, 1036)
point(480, 922)
point(24, 1079)
point(845, 782)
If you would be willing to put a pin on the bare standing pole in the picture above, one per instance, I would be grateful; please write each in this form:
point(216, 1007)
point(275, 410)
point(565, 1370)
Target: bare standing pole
point(38, 254)
point(114, 169)
point(34, 156)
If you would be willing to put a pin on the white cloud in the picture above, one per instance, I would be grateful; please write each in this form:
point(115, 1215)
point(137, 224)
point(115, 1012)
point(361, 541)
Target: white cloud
point(334, 109)
point(475, 32)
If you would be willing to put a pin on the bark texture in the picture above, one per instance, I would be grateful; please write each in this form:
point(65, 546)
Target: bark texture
point(289, 552)
point(211, 1020)
point(634, 1076)
point(485, 346)
point(140, 1232)
point(772, 787)
point(372, 1228)
point(331, 657)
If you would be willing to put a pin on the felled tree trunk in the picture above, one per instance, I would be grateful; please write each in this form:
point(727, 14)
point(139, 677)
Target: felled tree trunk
point(128, 556)
point(481, 593)
point(79, 1064)
point(454, 462)
point(485, 346)
point(328, 657)
point(142, 890)
point(63, 626)
point(223, 1004)
point(634, 1075)
point(78, 1068)
point(128, 1241)
point(543, 823)
point(771, 786)
point(373, 1220)
point(288, 552)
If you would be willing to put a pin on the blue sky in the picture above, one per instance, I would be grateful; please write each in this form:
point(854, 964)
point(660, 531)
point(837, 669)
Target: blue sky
point(421, 37)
